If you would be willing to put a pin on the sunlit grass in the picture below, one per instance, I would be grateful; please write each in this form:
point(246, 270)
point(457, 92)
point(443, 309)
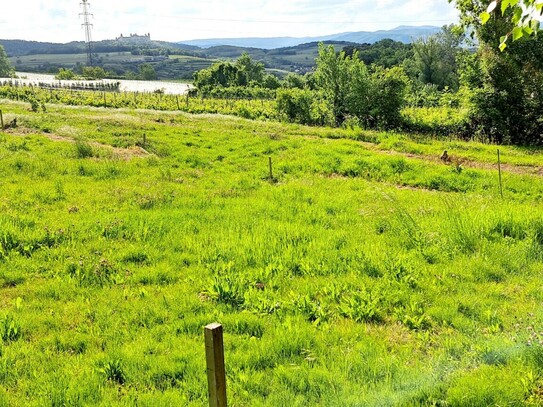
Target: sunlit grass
point(360, 277)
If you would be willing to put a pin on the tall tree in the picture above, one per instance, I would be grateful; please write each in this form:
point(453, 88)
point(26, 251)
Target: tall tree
point(509, 102)
point(5, 66)
point(249, 71)
point(435, 58)
point(351, 91)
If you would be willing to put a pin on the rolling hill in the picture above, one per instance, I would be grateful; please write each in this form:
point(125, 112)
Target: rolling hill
point(404, 34)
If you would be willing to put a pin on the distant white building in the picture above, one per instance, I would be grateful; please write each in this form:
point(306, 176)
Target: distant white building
point(134, 37)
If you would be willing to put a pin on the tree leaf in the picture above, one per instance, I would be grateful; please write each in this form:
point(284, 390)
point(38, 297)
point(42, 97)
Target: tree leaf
point(527, 30)
point(517, 16)
point(508, 3)
point(503, 44)
point(484, 17)
point(518, 33)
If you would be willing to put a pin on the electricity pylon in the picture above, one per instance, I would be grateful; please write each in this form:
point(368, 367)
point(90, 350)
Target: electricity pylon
point(87, 26)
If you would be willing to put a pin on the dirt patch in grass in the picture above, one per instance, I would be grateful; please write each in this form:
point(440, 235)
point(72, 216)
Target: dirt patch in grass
point(121, 153)
point(464, 162)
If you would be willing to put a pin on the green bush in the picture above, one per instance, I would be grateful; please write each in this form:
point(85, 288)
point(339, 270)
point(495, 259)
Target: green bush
point(388, 97)
point(65, 74)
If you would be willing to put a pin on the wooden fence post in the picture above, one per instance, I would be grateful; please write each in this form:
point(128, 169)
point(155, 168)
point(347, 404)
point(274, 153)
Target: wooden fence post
point(271, 169)
point(216, 376)
point(500, 173)
point(1, 121)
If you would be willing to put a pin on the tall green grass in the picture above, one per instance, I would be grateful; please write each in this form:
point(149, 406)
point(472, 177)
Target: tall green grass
point(360, 277)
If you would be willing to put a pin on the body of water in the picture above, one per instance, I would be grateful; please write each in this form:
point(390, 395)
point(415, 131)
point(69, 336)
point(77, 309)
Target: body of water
point(172, 88)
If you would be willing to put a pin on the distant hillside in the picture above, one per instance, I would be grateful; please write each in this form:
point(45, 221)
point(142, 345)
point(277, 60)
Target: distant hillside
point(16, 48)
point(405, 34)
point(175, 61)
point(299, 58)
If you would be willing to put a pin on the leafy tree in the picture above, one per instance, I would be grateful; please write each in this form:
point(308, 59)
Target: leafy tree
point(345, 83)
point(508, 104)
point(270, 82)
point(335, 76)
point(147, 72)
point(244, 73)
point(219, 74)
point(386, 52)
point(249, 71)
point(95, 72)
point(5, 66)
point(65, 74)
point(387, 97)
point(293, 80)
point(435, 58)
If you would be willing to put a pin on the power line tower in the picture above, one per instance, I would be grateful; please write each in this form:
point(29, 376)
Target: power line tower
point(87, 26)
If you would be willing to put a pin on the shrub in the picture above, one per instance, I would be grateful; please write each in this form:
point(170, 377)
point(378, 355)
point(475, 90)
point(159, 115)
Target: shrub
point(303, 106)
point(388, 97)
point(65, 74)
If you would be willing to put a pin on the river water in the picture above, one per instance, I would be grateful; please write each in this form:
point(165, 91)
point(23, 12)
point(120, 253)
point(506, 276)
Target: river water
point(171, 88)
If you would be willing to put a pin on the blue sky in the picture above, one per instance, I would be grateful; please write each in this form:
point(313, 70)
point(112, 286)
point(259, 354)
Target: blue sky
point(176, 20)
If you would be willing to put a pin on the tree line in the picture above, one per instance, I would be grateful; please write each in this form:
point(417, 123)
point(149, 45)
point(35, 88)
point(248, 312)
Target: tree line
point(501, 90)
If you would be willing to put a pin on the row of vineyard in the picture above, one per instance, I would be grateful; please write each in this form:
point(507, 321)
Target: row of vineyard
point(250, 109)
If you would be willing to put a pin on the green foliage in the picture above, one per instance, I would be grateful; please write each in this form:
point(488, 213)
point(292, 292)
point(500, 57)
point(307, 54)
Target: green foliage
point(440, 121)
point(293, 80)
point(386, 53)
point(435, 58)
point(65, 74)
point(507, 103)
point(387, 98)
point(6, 70)
point(303, 106)
point(525, 18)
point(245, 72)
point(94, 72)
point(248, 71)
point(374, 99)
point(147, 72)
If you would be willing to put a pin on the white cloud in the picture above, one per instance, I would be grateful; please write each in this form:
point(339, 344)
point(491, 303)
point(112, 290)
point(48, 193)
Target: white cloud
point(172, 20)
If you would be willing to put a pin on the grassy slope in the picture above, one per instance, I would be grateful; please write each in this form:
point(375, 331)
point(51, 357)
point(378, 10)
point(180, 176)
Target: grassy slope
point(388, 279)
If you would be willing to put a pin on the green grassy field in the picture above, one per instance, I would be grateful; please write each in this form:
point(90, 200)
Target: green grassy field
point(367, 272)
